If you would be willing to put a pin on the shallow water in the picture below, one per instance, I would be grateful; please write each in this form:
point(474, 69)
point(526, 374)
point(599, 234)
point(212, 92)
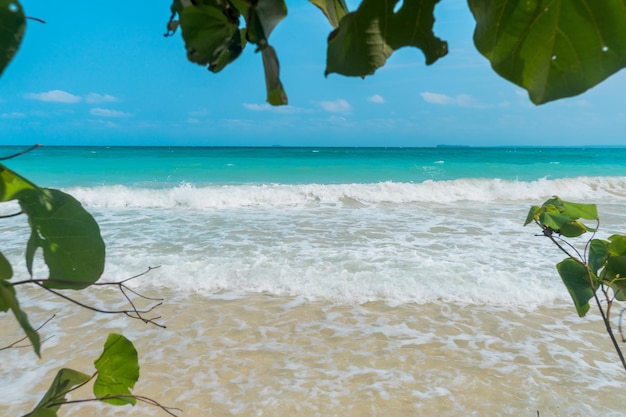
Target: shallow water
point(339, 298)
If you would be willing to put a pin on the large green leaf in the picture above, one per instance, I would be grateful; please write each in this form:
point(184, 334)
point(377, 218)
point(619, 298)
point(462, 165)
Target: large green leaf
point(366, 37)
point(334, 10)
point(8, 300)
point(12, 26)
point(576, 280)
point(118, 370)
point(65, 380)
point(208, 31)
point(552, 48)
point(70, 238)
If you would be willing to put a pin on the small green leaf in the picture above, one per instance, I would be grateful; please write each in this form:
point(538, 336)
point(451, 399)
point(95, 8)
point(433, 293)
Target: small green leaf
point(118, 370)
point(6, 271)
point(576, 280)
point(12, 26)
point(554, 221)
point(334, 10)
point(276, 95)
point(533, 215)
point(70, 237)
point(208, 30)
point(8, 300)
point(573, 229)
point(262, 19)
point(552, 48)
point(598, 254)
point(579, 211)
point(65, 380)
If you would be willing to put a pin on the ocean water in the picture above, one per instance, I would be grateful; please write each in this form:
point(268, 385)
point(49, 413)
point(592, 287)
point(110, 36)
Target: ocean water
point(330, 281)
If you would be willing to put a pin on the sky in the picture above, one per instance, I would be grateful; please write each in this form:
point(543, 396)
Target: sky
point(102, 73)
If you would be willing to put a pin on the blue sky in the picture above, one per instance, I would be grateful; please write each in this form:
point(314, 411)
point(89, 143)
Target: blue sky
point(101, 73)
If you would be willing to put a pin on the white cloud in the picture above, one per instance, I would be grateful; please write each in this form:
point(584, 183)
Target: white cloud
point(274, 109)
point(376, 98)
point(257, 107)
point(462, 100)
point(337, 106)
point(12, 115)
point(54, 96)
point(97, 111)
point(100, 98)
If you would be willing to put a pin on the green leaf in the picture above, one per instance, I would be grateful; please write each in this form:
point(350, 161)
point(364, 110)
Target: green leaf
point(573, 229)
point(208, 30)
point(12, 26)
point(366, 37)
point(575, 278)
point(334, 10)
point(276, 95)
point(65, 380)
point(554, 221)
point(118, 370)
point(579, 211)
point(14, 186)
point(616, 266)
point(552, 48)
point(6, 272)
point(43, 412)
point(263, 18)
point(72, 245)
point(8, 300)
point(533, 214)
point(235, 48)
point(598, 254)
point(617, 245)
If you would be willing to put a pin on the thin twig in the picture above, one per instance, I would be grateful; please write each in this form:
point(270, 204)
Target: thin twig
point(7, 216)
point(36, 19)
point(621, 313)
point(15, 344)
point(4, 158)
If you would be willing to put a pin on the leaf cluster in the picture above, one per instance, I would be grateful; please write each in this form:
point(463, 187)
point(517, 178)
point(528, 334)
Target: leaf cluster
point(553, 49)
point(601, 266)
point(69, 236)
point(214, 37)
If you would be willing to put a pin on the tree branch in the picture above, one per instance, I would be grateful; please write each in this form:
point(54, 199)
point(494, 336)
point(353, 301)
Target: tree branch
point(140, 398)
point(133, 312)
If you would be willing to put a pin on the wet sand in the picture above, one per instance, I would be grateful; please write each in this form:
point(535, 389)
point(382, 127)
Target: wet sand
point(261, 355)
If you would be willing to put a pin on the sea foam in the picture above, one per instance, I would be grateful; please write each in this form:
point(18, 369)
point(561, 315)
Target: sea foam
point(187, 195)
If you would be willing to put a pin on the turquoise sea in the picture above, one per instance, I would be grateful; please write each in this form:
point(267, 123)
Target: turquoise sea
point(334, 281)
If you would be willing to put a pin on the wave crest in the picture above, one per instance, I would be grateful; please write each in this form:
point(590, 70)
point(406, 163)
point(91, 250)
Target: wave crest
point(596, 189)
